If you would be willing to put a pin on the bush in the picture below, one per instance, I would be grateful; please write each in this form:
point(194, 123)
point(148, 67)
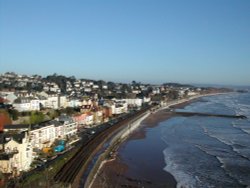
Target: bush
point(37, 117)
point(14, 114)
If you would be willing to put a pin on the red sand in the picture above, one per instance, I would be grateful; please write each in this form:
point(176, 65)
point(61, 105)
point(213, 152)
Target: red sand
point(113, 174)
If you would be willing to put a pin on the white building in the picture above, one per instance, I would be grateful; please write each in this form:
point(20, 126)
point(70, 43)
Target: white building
point(42, 135)
point(87, 89)
point(191, 93)
point(95, 87)
point(52, 102)
point(9, 96)
point(26, 104)
point(35, 105)
point(146, 99)
point(70, 126)
point(16, 155)
point(22, 106)
point(63, 102)
point(119, 107)
point(104, 87)
point(89, 120)
point(74, 103)
point(59, 129)
point(134, 102)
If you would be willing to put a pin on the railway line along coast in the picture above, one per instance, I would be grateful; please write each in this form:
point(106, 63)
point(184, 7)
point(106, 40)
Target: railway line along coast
point(82, 169)
point(110, 152)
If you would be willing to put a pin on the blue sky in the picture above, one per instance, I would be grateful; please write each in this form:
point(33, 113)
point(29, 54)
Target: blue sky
point(156, 41)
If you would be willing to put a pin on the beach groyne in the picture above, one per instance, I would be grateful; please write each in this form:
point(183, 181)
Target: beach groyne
point(209, 115)
point(96, 176)
point(78, 167)
point(123, 133)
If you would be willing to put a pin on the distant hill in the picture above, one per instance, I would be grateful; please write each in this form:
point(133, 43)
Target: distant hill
point(177, 85)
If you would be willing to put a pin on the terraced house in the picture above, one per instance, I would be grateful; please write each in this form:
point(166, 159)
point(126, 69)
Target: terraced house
point(21, 144)
point(15, 153)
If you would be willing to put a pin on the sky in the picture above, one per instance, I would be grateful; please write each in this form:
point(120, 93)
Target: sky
point(149, 41)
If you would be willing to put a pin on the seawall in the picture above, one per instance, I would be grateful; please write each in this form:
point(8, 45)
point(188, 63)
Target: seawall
point(113, 144)
point(121, 135)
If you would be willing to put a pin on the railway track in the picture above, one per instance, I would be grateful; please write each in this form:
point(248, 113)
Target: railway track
point(81, 159)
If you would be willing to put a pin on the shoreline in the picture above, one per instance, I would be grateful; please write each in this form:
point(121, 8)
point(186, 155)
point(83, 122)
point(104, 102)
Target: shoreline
point(115, 143)
point(150, 120)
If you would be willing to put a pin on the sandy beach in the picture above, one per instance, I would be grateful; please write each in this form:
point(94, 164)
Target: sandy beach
point(116, 173)
point(124, 171)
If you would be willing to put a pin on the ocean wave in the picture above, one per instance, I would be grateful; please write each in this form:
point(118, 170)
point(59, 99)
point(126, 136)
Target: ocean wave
point(202, 172)
point(228, 161)
point(244, 126)
point(244, 110)
point(184, 180)
point(210, 152)
point(239, 146)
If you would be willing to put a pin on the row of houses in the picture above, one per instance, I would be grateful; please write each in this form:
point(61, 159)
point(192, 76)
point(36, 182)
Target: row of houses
point(70, 86)
point(44, 100)
point(21, 144)
point(34, 101)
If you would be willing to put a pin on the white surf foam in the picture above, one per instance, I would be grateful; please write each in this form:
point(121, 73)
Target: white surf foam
point(184, 180)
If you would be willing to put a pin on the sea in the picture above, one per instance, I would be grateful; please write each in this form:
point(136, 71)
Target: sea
point(199, 151)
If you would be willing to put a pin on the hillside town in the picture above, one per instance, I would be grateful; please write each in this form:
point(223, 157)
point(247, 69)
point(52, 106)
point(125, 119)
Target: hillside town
point(42, 117)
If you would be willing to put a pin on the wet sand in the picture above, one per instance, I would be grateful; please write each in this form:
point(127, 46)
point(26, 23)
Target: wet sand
point(140, 161)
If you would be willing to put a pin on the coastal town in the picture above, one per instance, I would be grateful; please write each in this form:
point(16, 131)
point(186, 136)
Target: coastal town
point(42, 118)
point(124, 94)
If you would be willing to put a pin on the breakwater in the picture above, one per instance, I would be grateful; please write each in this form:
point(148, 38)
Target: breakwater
point(209, 114)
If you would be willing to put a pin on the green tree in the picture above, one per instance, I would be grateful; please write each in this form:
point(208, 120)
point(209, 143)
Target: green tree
point(37, 117)
point(125, 88)
point(14, 114)
point(111, 86)
point(53, 114)
point(173, 94)
point(69, 110)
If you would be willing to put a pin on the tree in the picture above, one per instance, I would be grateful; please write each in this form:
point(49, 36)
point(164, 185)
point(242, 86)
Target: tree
point(185, 93)
point(53, 114)
point(68, 110)
point(133, 83)
point(173, 94)
point(14, 114)
point(150, 89)
point(36, 117)
point(157, 98)
point(125, 88)
point(111, 85)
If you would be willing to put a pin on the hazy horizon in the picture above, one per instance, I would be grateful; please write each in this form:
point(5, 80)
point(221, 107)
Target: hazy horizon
point(190, 42)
